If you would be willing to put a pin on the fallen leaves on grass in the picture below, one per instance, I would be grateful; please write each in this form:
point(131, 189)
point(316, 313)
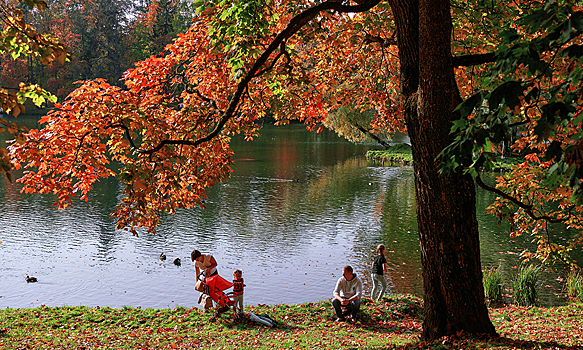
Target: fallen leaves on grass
point(392, 323)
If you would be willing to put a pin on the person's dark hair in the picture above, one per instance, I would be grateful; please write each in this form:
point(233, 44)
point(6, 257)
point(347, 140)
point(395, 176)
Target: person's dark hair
point(195, 254)
point(347, 268)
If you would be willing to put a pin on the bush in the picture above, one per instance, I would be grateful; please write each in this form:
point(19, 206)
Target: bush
point(524, 287)
point(574, 285)
point(493, 284)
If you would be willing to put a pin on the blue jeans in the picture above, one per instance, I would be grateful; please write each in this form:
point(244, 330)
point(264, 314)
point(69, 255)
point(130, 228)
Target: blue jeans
point(379, 284)
point(352, 308)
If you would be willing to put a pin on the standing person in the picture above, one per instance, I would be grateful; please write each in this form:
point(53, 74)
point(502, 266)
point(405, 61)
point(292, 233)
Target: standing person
point(238, 286)
point(347, 294)
point(379, 266)
point(208, 265)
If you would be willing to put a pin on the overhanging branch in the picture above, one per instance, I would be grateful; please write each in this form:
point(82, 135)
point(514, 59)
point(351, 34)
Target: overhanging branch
point(384, 42)
point(473, 60)
point(295, 24)
point(373, 136)
point(528, 209)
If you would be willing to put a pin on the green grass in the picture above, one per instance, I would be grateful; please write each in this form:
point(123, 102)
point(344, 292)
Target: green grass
point(402, 154)
point(493, 284)
point(574, 285)
point(394, 322)
point(524, 286)
point(397, 154)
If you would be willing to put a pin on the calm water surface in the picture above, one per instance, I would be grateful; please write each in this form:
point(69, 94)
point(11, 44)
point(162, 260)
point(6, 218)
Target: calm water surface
point(297, 208)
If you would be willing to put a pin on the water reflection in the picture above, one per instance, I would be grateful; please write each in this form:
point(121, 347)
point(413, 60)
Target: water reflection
point(298, 207)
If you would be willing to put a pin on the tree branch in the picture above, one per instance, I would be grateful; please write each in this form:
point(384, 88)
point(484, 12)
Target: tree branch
point(529, 209)
point(282, 52)
point(373, 136)
point(384, 42)
point(295, 24)
point(127, 132)
point(472, 60)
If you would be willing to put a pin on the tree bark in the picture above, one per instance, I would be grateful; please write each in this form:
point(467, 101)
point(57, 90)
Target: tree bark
point(446, 214)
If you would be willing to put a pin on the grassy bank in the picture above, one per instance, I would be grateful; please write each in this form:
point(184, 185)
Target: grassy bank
point(393, 323)
point(400, 154)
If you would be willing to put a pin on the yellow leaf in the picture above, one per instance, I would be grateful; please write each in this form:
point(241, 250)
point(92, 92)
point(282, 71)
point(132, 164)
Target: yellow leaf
point(61, 56)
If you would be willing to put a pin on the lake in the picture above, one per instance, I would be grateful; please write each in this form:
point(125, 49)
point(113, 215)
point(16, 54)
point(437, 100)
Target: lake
point(297, 208)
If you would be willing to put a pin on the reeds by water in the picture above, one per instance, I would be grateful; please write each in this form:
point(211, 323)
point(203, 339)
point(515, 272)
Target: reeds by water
point(574, 285)
point(524, 286)
point(493, 284)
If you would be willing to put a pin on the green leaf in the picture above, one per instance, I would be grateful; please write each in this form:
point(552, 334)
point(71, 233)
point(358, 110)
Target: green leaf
point(577, 21)
point(507, 92)
point(573, 51)
point(467, 107)
point(554, 151)
point(459, 124)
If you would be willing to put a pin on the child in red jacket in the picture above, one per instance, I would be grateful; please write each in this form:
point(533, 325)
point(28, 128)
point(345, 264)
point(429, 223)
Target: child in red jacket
point(238, 286)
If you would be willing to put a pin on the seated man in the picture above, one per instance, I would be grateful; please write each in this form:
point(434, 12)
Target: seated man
point(347, 294)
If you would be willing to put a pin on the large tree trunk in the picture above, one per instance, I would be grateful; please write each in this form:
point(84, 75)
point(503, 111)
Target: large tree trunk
point(446, 213)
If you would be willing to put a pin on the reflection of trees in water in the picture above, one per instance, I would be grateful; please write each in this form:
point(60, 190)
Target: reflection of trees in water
point(33, 219)
point(258, 207)
point(105, 199)
point(268, 201)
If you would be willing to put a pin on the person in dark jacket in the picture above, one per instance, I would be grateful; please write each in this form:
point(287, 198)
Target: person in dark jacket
point(379, 265)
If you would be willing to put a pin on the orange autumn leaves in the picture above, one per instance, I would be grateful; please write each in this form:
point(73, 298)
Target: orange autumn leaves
point(157, 127)
point(99, 124)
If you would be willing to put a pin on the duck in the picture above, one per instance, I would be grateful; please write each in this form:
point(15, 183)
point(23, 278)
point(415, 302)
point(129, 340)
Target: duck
point(30, 279)
point(177, 261)
point(162, 256)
